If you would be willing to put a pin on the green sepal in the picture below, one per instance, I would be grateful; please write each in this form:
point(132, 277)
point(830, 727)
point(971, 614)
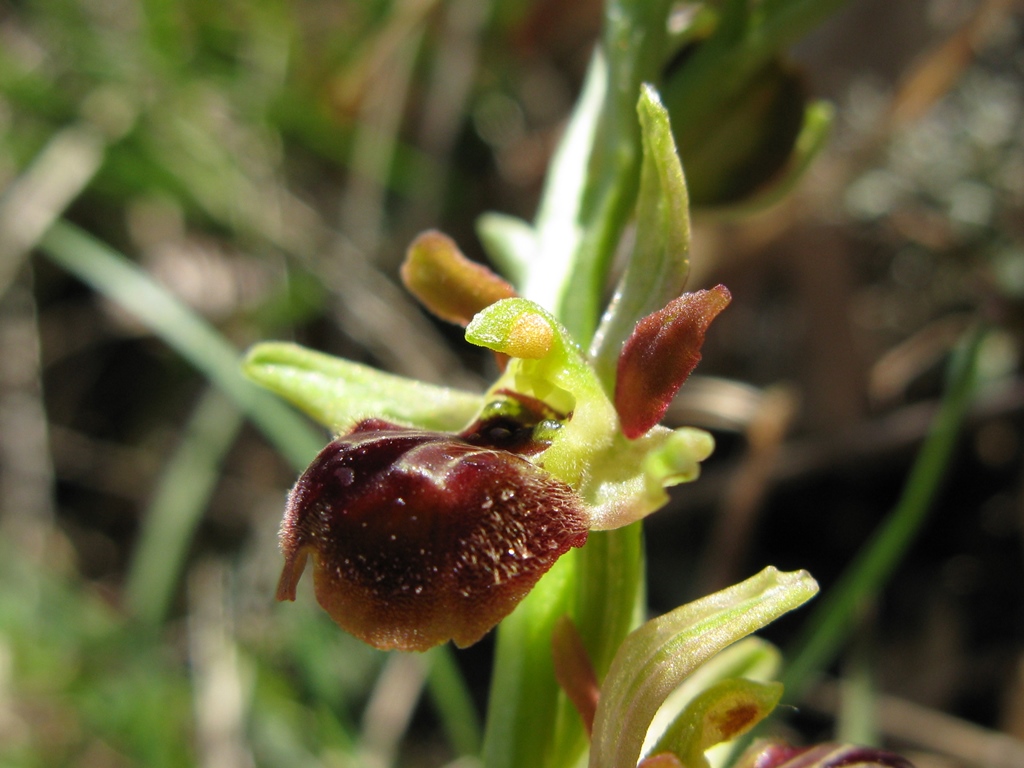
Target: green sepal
point(654, 659)
point(337, 392)
point(659, 264)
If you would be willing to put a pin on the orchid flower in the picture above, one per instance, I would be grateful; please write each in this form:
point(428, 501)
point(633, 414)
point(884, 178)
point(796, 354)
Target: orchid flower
point(418, 536)
point(434, 513)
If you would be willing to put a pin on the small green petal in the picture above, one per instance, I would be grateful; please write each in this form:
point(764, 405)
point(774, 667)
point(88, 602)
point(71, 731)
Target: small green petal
point(337, 392)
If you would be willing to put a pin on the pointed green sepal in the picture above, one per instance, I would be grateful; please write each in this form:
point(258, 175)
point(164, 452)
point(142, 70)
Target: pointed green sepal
point(659, 263)
point(337, 392)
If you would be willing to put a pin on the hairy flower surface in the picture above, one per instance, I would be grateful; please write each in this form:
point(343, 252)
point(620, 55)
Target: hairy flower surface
point(419, 536)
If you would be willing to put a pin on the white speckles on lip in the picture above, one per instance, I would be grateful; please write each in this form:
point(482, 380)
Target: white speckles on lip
point(440, 543)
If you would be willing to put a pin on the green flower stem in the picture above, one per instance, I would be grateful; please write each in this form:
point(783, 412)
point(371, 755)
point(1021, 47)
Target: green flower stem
point(831, 622)
point(524, 697)
point(610, 596)
point(601, 586)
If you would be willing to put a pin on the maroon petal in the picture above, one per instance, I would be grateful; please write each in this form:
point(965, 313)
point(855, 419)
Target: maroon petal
point(419, 537)
point(660, 354)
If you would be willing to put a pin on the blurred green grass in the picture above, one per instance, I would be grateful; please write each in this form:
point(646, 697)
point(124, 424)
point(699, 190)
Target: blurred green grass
point(193, 134)
point(261, 166)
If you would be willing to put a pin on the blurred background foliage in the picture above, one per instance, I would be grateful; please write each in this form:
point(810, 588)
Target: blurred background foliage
point(180, 179)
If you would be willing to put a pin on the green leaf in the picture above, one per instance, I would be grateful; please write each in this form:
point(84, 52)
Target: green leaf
point(337, 392)
point(654, 659)
point(658, 266)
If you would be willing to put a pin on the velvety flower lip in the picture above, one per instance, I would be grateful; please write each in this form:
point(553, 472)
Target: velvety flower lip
point(419, 537)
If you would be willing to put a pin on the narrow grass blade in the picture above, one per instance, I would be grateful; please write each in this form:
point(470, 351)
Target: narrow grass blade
point(181, 497)
point(831, 622)
point(114, 276)
point(453, 702)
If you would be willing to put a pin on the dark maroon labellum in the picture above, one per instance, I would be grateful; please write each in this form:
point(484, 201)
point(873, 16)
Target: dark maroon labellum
point(420, 537)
